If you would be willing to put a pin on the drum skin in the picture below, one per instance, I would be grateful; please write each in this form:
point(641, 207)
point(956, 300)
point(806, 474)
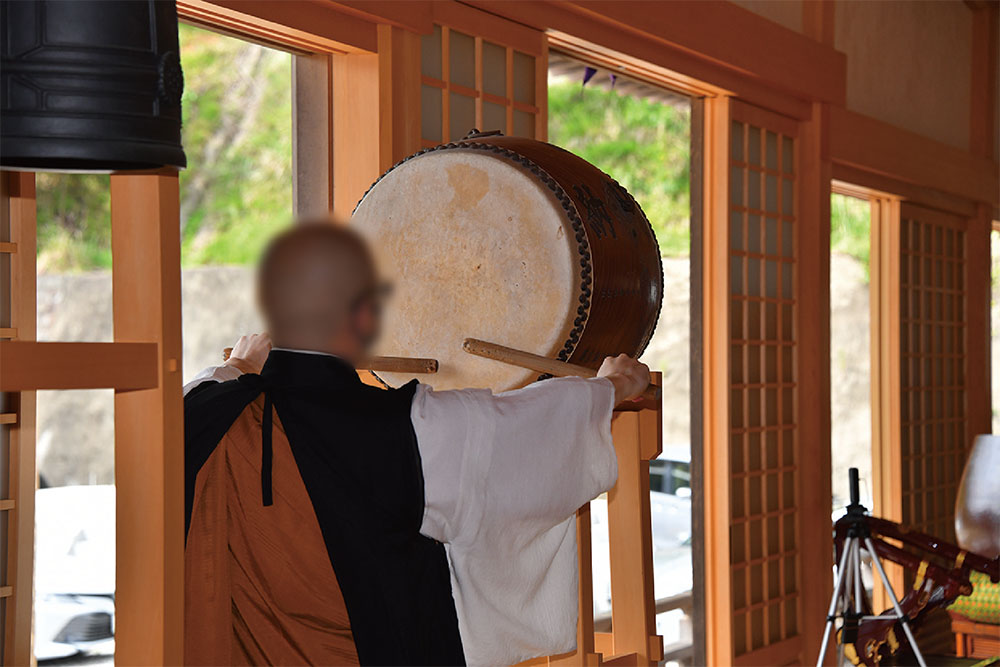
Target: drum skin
point(619, 285)
point(627, 286)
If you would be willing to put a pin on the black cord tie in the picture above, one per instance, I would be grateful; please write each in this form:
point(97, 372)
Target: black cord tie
point(267, 452)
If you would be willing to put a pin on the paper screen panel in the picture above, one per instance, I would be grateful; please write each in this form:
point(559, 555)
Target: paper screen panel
point(471, 81)
point(933, 417)
point(764, 459)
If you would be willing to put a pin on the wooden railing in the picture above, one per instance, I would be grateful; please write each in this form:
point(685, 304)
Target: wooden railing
point(681, 651)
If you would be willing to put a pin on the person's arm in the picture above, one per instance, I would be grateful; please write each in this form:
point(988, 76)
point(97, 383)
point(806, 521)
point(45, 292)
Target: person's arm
point(542, 451)
point(248, 356)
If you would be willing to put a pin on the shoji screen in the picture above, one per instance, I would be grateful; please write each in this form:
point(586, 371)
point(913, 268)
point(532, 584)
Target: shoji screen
point(933, 357)
point(489, 74)
point(763, 462)
point(753, 451)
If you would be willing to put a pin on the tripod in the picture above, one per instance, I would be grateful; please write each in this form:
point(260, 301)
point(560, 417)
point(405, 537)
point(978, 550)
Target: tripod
point(848, 586)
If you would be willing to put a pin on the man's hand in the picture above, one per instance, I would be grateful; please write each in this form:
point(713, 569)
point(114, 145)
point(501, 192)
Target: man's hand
point(250, 353)
point(630, 377)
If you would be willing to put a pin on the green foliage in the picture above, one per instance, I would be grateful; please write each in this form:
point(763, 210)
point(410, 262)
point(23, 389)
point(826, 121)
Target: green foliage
point(237, 189)
point(850, 228)
point(74, 221)
point(644, 145)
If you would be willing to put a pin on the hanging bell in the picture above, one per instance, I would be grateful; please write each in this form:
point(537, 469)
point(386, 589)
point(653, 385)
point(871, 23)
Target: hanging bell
point(90, 85)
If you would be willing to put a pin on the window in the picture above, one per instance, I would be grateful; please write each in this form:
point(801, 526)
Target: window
point(850, 347)
point(640, 135)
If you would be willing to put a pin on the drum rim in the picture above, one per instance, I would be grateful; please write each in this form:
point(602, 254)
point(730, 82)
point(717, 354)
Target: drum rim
point(585, 273)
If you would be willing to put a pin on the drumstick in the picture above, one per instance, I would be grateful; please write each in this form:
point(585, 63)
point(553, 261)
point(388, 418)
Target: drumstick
point(534, 362)
point(386, 364)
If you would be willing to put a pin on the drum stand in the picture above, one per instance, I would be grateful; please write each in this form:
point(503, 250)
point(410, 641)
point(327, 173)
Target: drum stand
point(849, 576)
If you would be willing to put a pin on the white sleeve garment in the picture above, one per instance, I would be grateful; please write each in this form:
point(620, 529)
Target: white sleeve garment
point(213, 374)
point(503, 477)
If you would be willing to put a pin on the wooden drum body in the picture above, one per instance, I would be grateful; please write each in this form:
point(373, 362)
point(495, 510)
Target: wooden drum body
point(513, 241)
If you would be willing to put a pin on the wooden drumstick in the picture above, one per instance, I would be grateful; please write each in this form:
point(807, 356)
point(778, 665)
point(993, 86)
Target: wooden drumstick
point(385, 364)
point(534, 362)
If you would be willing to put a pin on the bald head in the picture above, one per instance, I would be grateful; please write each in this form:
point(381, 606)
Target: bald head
point(313, 280)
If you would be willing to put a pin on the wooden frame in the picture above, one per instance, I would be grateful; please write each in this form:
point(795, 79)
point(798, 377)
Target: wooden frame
point(709, 42)
point(313, 27)
point(28, 366)
point(17, 419)
point(149, 435)
point(757, 386)
point(869, 146)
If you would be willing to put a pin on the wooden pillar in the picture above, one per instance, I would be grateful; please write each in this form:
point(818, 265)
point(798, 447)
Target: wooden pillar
point(375, 119)
point(149, 427)
point(813, 330)
point(399, 94)
point(715, 396)
point(312, 126)
point(638, 438)
point(17, 418)
point(355, 129)
point(979, 396)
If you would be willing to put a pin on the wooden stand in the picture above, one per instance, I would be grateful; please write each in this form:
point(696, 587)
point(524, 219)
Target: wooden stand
point(633, 640)
point(974, 640)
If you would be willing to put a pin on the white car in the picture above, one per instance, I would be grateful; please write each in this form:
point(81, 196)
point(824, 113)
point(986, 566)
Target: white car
point(74, 571)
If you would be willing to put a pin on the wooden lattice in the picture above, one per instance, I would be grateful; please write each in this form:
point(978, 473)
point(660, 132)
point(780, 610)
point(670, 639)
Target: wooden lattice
point(765, 566)
point(933, 366)
point(467, 81)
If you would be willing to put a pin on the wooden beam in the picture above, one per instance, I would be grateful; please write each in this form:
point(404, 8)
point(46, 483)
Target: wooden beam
point(18, 213)
point(813, 377)
point(412, 15)
point(983, 91)
point(818, 20)
point(8, 504)
point(497, 30)
point(8, 248)
point(305, 26)
point(149, 424)
point(717, 42)
point(871, 145)
point(8, 417)
point(773, 654)
point(870, 184)
point(28, 366)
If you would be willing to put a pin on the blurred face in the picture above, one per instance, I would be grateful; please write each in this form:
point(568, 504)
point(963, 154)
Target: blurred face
point(366, 316)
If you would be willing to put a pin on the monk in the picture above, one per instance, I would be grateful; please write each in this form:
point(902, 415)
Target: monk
point(330, 522)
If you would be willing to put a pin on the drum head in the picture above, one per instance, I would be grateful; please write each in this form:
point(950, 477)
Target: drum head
point(476, 247)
